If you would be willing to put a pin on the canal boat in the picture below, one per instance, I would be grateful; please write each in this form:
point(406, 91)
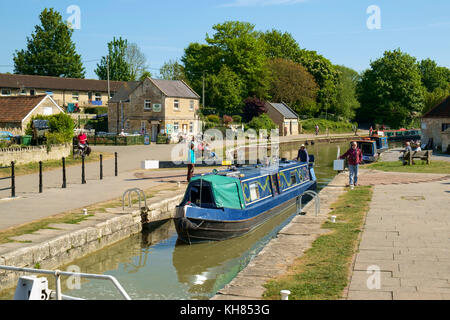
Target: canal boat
point(403, 134)
point(369, 150)
point(230, 203)
point(381, 143)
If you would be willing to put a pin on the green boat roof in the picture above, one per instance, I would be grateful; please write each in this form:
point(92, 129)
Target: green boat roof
point(227, 191)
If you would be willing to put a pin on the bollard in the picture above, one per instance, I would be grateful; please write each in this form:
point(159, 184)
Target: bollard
point(83, 177)
point(101, 167)
point(116, 171)
point(13, 181)
point(333, 219)
point(40, 176)
point(285, 294)
point(64, 185)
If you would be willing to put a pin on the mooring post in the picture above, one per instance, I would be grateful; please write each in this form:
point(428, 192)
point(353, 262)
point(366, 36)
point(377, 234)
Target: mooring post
point(64, 185)
point(83, 177)
point(101, 167)
point(13, 181)
point(40, 176)
point(116, 171)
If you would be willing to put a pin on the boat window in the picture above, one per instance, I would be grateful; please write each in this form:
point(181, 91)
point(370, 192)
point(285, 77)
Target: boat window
point(207, 200)
point(254, 192)
point(275, 187)
point(293, 178)
point(367, 149)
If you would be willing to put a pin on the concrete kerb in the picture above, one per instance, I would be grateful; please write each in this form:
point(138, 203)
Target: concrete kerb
point(77, 242)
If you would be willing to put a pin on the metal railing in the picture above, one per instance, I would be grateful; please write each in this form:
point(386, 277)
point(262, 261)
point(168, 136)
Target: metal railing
point(13, 180)
point(129, 192)
point(314, 195)
point(58, 274)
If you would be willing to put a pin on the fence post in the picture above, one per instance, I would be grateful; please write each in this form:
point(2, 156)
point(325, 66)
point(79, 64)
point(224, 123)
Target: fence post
point(13, 181)
point(101, 167)
point(115, 164)
point(83, 180)
point(40, 176)
point(64, 185)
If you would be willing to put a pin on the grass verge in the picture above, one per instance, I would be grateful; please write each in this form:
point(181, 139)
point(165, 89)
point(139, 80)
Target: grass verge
point(419, 166)
point(33, 167)
point(322, 273)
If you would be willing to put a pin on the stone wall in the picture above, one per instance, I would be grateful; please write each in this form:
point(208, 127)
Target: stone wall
point(432, 128)
point(53, 248)
point(33, 154)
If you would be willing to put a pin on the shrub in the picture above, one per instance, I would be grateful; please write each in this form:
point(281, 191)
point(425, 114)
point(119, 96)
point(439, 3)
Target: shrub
point(237, 119)
point(213, 118)
point(227, 120)
point(262, 122)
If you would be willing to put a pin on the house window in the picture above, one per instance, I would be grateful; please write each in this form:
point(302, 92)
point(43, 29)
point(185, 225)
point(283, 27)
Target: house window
point(445, 126)
point(98, 96)
point(254, 192)
point(49, 92)
point(191, 127)
point(6, 92)
point(176, 127)
point(156, 107)
point(75, 96)
point(23, 92)
point(90, 96)
point(147, 105)
point(191, 105)
point(176, 105)
point(32, 92)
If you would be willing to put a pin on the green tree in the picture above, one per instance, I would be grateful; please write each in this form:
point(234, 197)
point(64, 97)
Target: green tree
point(262, 122)
point(136, 61)
point(432, 99)
point(293, 84)
point(391, 91)
point(242, 50)
point(347, 102)
point(434, 76)
point(119, 69)
point(280, 45)
point(172, 70)
point(50, 50)
point(226, 91)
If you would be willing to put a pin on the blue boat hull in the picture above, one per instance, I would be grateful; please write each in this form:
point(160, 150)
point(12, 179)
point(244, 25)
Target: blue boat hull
point(195, 224)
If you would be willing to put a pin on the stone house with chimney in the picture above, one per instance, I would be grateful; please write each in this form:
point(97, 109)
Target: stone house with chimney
point(155, 106)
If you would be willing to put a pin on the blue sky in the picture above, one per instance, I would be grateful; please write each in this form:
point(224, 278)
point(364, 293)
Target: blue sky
point(335, 28)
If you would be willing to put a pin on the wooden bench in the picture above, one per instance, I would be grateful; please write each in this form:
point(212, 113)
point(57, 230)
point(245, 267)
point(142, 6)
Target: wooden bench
point(409, 156)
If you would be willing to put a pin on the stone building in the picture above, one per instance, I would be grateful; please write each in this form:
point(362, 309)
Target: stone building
point(16, 112)
point(155, 106)
point(436, 125)
point(64, 91)
point(284, 117)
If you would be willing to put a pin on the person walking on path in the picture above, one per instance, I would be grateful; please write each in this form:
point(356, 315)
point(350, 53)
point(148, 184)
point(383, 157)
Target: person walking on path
point(191, 161)
point(354, 158)
point(317, 129)
point(303, 154)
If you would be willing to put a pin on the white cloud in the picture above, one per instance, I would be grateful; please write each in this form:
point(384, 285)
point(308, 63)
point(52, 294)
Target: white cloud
point(254, 3)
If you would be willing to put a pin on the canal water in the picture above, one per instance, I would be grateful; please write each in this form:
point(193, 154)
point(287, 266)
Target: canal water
point(155, 265)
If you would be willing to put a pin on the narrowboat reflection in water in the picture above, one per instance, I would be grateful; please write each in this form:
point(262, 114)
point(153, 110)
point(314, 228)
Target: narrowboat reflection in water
point(229, 203)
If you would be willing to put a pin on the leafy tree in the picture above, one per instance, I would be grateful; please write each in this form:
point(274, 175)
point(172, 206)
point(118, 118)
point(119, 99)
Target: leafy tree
point(136, 61)
point(146, 74)
point(253, 107)
point(434, 76)
point(50, 50)
point(172, 70)
point(432, 99)
point(280, 45)
point(347, 102)
point(391, 91)
point(119, 69)
point(293, 84)
point(242, 50)
point(226, 90)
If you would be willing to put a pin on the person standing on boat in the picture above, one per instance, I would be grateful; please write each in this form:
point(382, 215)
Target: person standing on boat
point(302, 155)
point(191, 161)
point(354, 158)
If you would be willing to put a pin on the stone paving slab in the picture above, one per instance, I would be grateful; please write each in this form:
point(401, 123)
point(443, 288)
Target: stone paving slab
point(405, 235)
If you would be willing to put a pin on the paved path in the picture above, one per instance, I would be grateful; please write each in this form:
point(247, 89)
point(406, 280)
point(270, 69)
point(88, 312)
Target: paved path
point(407, 236)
